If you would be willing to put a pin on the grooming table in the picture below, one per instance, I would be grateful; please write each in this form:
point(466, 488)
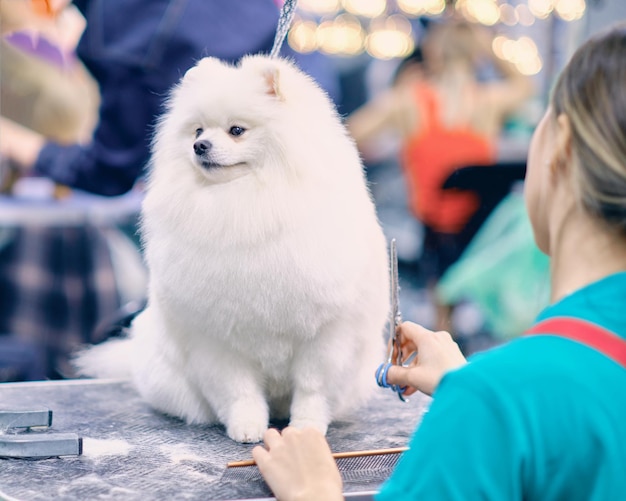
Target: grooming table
point(131, 452)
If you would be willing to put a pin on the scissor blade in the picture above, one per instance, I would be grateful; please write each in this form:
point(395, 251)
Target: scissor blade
point(396, 317)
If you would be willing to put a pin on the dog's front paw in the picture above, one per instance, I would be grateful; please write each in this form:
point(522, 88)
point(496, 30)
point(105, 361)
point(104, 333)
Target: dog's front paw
point(247, 419)
point(321, 425)
point(310, 409)
point(247, 430)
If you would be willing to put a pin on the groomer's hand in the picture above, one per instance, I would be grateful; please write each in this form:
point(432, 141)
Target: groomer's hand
point(298, 465)
point(437, 354)
point(20, 144)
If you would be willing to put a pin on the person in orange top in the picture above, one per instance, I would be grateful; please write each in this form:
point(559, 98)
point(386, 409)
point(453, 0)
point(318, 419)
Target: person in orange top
point(428, 160)
point(447, 119)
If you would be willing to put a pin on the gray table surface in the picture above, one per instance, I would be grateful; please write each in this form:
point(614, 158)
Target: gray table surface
point(131, 452)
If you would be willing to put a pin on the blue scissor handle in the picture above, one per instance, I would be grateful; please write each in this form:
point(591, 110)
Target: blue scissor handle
point(381, 375)
point(381, 380)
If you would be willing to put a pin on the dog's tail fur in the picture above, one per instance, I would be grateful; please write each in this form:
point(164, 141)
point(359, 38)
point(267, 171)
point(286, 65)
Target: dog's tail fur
point(111, 360)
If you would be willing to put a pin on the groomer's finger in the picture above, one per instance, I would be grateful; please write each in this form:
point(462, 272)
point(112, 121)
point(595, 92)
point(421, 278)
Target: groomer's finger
point(437, 353)
point(414, 378)
point(261, 454)
point(271, 437)
point(414, 333)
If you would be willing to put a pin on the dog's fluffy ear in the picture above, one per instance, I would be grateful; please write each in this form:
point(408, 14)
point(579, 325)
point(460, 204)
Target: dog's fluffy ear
point(205, 62)
point(271, 76)
point(269, 70)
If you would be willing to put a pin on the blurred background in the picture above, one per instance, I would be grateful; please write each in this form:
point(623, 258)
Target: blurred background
point(70, 262)
point(367, 42)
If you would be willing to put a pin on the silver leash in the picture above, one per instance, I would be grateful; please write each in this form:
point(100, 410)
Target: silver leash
point(287, 12)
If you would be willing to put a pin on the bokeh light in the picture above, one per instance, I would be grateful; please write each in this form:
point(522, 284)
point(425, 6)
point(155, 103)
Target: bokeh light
point(525, 16)
point(390, 38)
point(342, 36)
point(421, 7)
point(365, 8)
point(570, 10)
point(319, 6)
point(541, 8)
point(382, 27)
point(523, 53)
point(508, 15)
point(485, 12)
point(302, 36)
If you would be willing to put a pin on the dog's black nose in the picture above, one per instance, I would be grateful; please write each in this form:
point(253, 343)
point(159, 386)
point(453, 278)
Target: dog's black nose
point(201, 147)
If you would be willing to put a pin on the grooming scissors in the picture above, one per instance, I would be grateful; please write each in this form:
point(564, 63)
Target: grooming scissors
point(395, 319)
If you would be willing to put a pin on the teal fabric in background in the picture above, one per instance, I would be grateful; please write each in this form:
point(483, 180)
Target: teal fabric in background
point(540, 418)
point(502, 272)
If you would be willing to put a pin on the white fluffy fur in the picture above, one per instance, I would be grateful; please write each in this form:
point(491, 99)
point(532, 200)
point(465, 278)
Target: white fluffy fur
point(268, 288)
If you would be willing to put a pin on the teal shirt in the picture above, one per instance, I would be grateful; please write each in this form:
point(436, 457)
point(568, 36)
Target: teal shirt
point(540, 418)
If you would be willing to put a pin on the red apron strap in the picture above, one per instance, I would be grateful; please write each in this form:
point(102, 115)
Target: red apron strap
point(587, 333)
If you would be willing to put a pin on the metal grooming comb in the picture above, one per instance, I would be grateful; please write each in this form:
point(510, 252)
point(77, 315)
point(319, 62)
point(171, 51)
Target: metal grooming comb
point(358, 466)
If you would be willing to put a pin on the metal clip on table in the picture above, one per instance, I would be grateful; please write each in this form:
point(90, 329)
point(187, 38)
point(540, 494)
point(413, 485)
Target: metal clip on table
point(30, 444)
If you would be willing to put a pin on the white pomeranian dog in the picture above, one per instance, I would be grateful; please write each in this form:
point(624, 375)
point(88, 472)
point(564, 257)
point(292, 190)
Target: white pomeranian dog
point(269, 287)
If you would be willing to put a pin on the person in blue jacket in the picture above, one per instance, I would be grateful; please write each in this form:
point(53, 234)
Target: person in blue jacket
point(137, 50)
point(543, 417)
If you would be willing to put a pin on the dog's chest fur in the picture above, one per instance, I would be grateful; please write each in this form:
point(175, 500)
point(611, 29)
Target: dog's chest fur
point(239, 276)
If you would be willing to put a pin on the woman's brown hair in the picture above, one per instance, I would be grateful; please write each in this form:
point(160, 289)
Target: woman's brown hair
point(591, 92)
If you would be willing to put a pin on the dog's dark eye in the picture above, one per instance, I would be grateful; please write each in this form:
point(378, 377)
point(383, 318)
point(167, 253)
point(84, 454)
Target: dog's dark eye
point(235, 130)
point(199, 131)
